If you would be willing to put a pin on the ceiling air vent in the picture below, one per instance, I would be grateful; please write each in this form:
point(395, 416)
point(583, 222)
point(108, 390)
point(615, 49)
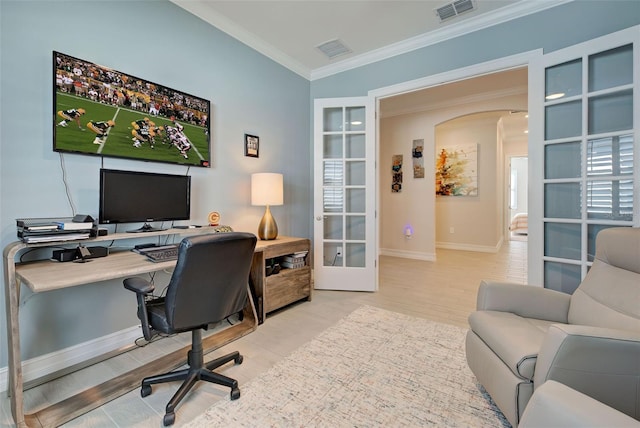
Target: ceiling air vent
point(333, 48)
point(454, 9)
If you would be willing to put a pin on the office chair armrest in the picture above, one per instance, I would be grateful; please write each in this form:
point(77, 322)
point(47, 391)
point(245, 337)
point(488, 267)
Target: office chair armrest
point(142, 288)
point(138, 285)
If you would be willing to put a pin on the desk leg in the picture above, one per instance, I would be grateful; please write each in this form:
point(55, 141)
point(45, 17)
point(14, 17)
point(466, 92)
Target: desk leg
point(12, 301)
point(257, 283)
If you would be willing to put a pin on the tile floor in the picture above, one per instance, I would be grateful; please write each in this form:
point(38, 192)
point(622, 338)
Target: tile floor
point(443, 291)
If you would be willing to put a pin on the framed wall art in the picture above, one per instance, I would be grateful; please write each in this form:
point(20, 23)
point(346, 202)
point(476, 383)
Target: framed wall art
point(251, 145)
point(457, 170)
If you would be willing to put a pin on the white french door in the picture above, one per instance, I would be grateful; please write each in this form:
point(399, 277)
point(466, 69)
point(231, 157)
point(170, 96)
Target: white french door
point(589, 147)
point(345, 250)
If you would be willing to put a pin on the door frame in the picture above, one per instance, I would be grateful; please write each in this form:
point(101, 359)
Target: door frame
point(507, 197)
point(524, 59)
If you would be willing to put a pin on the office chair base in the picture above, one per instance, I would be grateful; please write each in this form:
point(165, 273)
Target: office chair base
point(190, 376)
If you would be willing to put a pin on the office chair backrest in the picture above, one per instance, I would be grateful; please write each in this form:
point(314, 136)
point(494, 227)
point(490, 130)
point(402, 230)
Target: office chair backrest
point(210, 279)
point(609, 296)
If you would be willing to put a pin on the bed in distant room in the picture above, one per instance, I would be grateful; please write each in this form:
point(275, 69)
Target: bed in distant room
point(519, 224)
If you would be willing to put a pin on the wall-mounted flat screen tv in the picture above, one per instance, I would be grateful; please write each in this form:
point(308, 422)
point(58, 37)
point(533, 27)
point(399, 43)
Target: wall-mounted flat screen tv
point(103, 112)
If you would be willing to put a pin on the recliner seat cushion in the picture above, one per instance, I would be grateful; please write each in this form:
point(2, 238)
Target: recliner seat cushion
point(514, 339)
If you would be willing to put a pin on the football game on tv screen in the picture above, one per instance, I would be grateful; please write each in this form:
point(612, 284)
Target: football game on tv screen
point(103, 112)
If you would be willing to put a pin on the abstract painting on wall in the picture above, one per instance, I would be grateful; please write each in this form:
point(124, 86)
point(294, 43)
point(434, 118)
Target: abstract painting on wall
point(457, 170)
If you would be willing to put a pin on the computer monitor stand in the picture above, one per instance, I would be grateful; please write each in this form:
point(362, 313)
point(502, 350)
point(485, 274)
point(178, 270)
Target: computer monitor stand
point(145, 228)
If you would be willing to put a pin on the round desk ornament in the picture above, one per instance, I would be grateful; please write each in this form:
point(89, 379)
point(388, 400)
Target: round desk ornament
point(214, 218)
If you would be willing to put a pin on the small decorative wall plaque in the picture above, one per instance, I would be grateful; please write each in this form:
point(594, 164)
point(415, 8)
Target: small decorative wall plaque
point(396, 172)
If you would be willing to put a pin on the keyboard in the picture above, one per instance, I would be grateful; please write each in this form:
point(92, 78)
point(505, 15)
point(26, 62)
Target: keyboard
point(161, 254)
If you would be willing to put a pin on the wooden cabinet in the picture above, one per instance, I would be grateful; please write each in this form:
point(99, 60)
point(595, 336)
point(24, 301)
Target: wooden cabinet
point(287, 286)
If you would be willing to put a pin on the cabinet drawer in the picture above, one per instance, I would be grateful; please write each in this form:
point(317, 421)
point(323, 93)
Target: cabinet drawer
point(288, 286)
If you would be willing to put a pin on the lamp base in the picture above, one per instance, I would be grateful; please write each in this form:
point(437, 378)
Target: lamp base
point(267, 229)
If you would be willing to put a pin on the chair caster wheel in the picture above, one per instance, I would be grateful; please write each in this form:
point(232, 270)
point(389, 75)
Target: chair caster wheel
point(169, 419)
point(145, 390)
point(238, 359)
point(235, 394)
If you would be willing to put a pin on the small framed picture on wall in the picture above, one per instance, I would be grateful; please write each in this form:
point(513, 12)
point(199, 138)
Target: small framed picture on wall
point(251, 145)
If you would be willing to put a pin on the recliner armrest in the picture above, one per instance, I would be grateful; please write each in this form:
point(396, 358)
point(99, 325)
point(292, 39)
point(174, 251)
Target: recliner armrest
point(556, 405)
point(524, 300)
point(603, 363)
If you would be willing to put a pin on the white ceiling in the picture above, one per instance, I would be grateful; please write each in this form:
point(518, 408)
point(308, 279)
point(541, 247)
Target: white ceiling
point(289, 31)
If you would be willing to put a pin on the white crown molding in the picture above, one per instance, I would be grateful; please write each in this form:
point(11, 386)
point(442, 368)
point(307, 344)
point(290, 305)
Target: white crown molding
point(517, 10)
point(470, 25)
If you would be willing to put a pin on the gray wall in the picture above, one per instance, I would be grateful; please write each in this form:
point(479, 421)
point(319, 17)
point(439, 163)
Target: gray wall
point(160, 42)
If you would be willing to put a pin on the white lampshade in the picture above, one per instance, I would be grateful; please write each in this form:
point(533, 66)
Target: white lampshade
point(266, 189)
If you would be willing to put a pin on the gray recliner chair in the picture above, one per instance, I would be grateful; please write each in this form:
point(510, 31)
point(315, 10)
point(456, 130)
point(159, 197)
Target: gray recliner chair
point(521, 336)
point(556, 405)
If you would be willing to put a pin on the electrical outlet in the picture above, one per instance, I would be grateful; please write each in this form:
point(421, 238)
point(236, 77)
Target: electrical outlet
point(339, 252)
point(452, 230)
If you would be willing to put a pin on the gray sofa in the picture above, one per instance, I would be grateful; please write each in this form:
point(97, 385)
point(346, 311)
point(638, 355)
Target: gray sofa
point(556, 405)
point(521, 336)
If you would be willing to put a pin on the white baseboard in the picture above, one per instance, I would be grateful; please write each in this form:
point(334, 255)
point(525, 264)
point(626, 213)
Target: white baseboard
point(408, 254)
point(53, 362)
point(470, 247)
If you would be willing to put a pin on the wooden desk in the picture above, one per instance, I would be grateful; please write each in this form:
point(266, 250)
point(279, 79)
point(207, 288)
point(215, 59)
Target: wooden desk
point(44, 275)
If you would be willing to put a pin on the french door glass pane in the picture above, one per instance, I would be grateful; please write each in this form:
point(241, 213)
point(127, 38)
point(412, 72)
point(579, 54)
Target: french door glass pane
point(333, 227)
point(562, 200)
point(333, 119)
point(562, 277)
point(562, 160)
point(355, 146)
point(331, 251)
point(355, 226)
point(355, 119)
point(563, 80)
point(355, 173)
point(333, 199)
point(332, 147)
point(611, 68)
point(355, 202)
point(592, 232)
point(610, 200)
point(610, 113)
point(333, 174)
point(563, 120)
point(610, 156)
point(354, 255)
point(562, 240)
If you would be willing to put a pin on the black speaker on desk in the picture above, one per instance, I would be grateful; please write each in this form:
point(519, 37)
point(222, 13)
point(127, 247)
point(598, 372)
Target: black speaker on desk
point(95, 252)
point(82, 253)
point(65, 255)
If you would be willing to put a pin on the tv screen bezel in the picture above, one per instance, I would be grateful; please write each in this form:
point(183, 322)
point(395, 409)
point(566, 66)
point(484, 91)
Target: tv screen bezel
point(125, 148)
point(104, 172)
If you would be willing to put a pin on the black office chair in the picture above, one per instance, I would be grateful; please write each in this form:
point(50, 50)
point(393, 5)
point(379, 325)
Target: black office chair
point(209, 284)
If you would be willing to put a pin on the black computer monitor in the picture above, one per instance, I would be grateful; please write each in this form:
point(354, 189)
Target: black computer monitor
point(133, 197)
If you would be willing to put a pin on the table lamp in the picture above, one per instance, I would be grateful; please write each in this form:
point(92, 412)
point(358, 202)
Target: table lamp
point(266, 189)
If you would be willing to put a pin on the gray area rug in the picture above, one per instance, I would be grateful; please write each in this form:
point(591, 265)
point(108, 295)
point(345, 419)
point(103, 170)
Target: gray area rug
point(372, 368)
